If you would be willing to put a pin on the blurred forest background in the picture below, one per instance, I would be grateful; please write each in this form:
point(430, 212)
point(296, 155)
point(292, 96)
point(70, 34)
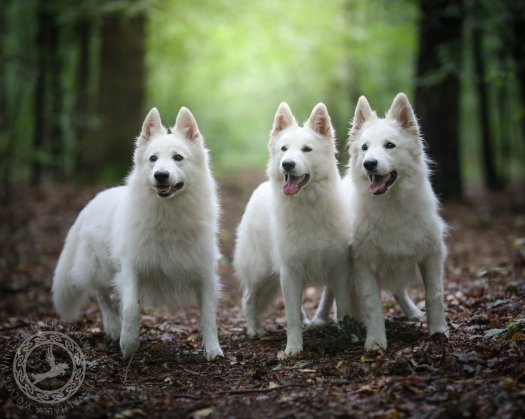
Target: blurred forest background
point(77, 78)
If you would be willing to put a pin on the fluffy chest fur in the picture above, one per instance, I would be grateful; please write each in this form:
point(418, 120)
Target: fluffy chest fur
point(167, 241)
point(311, 232)
point(396, 227)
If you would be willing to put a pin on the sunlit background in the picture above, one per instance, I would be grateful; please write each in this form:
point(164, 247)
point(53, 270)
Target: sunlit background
point(79, 77)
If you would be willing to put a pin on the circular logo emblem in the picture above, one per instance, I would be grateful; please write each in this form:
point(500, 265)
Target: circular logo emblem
point(49, 367)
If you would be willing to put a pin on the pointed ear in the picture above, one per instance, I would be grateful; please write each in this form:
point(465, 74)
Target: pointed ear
point(320, 122)
point(283, 119)
point(363, 113)
point(186, 124)
point(402, 112)
point(151, 126)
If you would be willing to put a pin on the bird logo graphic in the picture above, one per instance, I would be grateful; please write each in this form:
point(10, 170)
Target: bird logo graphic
point(55, 369)
point(29, 354)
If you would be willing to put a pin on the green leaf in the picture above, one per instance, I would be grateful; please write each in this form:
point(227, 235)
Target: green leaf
point(494, 333)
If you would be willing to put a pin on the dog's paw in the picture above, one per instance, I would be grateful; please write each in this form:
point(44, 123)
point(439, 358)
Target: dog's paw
point(129, 345)
point(289, 352)
point(212, 353)
point(112, 331)
point(318, 323)
point(375, 342)
point(442, 329)
point(256, 332)
point(416, 316)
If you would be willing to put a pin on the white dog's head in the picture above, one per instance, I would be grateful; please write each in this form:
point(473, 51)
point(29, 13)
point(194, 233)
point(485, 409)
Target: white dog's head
point(385, 151)
point(167, 159)
point(301, 155)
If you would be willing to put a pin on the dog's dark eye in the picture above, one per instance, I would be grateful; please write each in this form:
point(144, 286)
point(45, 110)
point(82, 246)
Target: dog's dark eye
point(307, 149)
point(178, 157)
point(390, 145)
point(284, 148)
point(364, 147)
point(153, 158)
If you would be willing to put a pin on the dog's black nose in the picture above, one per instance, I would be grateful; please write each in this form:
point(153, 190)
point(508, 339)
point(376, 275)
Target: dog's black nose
point(288, 164)
point(370, 164)
point(161, 176)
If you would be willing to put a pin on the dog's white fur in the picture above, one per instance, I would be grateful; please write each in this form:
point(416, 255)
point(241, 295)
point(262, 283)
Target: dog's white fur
point(297, 237)
point(153, 240)
point(398, 232)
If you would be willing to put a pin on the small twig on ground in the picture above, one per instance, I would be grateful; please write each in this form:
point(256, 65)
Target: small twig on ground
point(127, 368)
point(190, 372)
point(259, 390)
point(186, 396)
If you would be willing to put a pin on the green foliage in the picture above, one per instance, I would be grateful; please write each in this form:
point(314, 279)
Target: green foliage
point(233, 63)
point(18, 80)
point(496, 22)
point(507, 331)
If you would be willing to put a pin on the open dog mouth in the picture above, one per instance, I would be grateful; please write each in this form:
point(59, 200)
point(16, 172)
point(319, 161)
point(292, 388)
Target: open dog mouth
point(168, 190)
point(379, 184)
point(293, 184)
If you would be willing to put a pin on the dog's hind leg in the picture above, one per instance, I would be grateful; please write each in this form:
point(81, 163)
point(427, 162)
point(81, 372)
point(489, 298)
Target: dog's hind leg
point(304, 317)
point(110, 314)
point(407, 306)
point(256, 299)
point(322, 315)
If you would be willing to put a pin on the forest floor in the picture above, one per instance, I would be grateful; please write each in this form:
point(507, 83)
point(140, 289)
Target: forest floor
point(479, 371)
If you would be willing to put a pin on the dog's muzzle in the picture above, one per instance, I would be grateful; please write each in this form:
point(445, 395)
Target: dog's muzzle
point(165, 191)
point(293, 184)
point(379, 184)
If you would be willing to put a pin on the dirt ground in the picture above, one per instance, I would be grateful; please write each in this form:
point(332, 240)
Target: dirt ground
point(478, 372)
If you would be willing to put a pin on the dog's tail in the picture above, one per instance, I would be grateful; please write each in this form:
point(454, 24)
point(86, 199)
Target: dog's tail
point(68, 298)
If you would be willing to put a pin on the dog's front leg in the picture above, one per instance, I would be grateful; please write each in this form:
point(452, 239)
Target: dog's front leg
point(292, 286)
point(432, 272)
point(370, 294)
point(127, 284)
point(206, 295)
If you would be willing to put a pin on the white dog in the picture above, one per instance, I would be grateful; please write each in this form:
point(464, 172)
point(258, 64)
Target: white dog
point(396, 228)
point(153, 240)
point(295, 227)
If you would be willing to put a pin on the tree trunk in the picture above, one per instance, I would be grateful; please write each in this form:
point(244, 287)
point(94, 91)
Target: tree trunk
point(4, 137)
point(39, 121)
point(517, 11)
point(55, 148)
point(82, 126)
point(490, 175)
point(47, 133)
point(438, 88)
point(120, 98)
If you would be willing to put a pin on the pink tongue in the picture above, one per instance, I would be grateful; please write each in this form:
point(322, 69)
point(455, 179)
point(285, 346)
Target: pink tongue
point(378, 184)
point(291, 187)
